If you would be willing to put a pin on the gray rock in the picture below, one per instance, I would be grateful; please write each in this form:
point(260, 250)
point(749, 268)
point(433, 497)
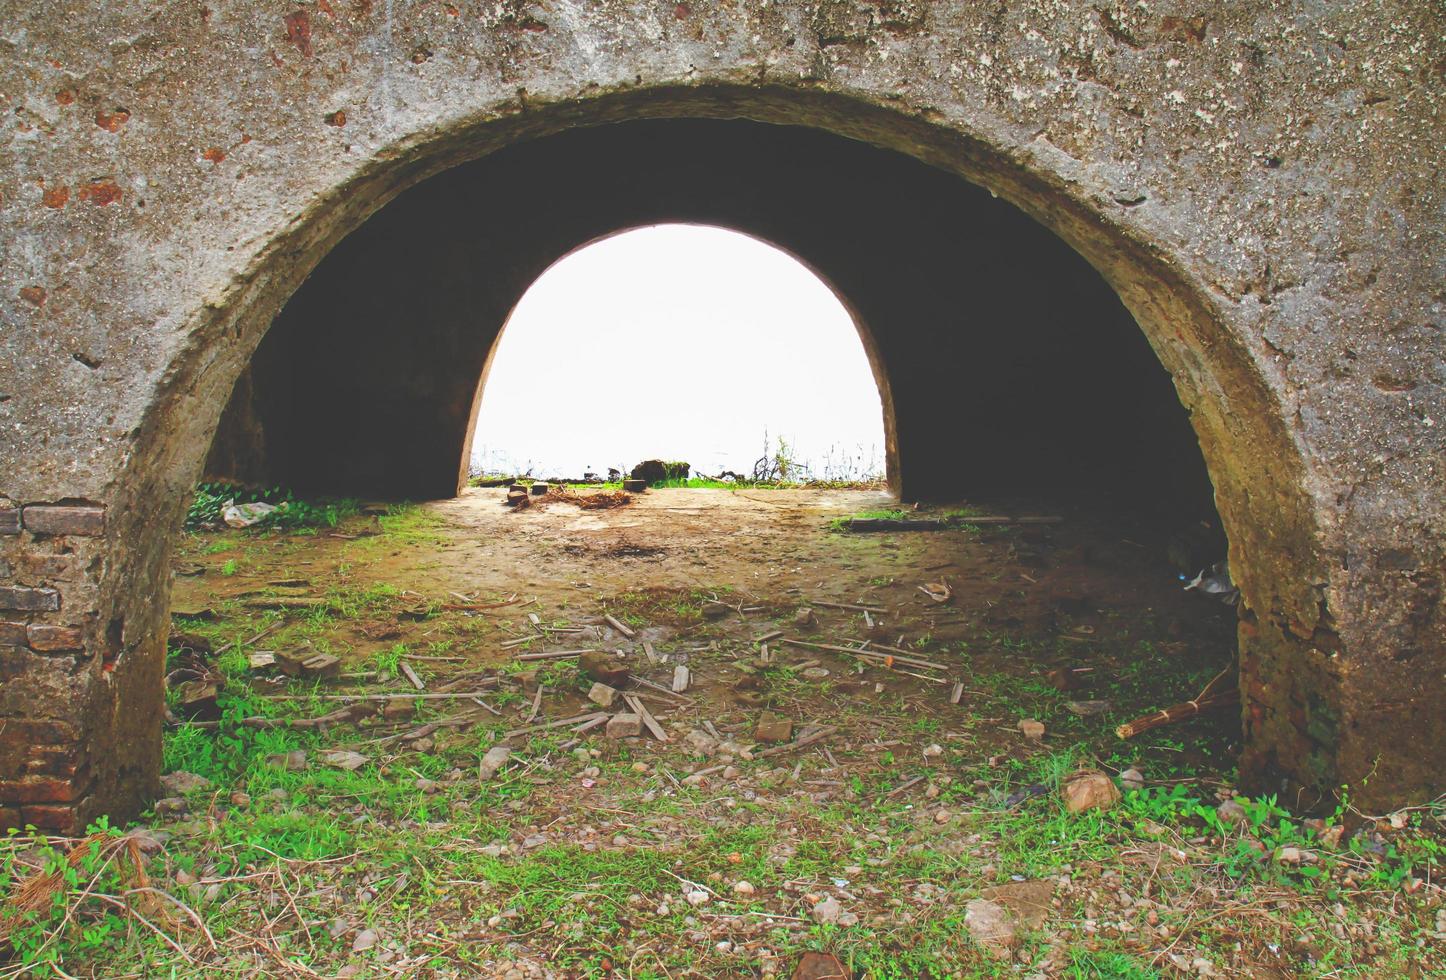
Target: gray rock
point(181, 783)
point(493, 762)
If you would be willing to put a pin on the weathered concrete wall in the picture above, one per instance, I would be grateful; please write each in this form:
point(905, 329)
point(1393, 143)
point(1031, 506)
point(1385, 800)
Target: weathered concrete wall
point(1259, 184)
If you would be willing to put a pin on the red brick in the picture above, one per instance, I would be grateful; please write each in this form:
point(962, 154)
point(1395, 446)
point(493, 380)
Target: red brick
point(41, 789)
point(55, 760)
point(52, 639)
point(80, 520)
point(29, 600)
point(57, 819)
point(12, 634)
point(10, 819)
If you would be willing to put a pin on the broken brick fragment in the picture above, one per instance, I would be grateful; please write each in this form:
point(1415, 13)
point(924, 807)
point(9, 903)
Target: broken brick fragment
point(100, 192)
point(111, 122)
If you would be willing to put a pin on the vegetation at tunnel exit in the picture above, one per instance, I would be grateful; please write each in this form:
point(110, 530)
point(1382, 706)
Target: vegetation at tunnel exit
point(211, 499)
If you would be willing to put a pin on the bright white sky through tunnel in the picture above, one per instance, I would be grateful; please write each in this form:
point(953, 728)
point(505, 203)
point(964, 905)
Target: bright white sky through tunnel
point(678, 342)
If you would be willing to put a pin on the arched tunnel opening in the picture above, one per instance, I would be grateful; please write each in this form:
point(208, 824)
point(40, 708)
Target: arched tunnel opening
point(1010, 368)
point(690, 344)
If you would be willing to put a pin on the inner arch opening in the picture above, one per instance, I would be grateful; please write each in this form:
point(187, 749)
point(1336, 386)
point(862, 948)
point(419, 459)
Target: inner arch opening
point(680, 342)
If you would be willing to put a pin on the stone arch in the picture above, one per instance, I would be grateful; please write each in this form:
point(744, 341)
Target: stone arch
point(1257, 466)
point(1253, 461)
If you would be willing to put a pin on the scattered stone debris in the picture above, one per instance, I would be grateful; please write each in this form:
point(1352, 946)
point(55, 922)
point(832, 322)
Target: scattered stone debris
point(1032, 729)
point(182, 783)
point(493, 761)
point(773, 727)
point(820, 966)
point(603, 668)
point(308, 664)
point(625, 724)
point(1091, 790)
point(991, 926)
point(344, 759)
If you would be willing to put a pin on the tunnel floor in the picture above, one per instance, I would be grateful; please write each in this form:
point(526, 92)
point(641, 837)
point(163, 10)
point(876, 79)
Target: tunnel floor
point(805, 800)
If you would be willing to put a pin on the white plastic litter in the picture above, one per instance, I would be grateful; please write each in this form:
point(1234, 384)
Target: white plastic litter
point(1215, 581)
point(246, 515)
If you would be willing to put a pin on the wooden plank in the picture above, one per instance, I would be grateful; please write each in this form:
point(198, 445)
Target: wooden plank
point(647, 716)
point(620, 626)
point(412, 675)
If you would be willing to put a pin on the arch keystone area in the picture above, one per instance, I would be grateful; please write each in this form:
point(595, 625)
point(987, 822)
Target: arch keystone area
point(1275, 234)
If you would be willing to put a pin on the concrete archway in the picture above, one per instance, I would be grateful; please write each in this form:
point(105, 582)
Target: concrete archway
point(1341, 621)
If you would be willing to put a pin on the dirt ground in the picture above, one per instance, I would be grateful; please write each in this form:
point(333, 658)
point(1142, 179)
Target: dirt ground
point(1081, 594)
point(455, 803)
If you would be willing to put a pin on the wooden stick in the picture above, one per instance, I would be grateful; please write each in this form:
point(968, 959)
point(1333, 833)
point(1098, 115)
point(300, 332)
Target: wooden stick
point(412, 675)
point(553, 655)
point(621, 627)
point(853, 651)
point(536, 705)
point(422, 696)
point(797, 744)
point(935, 524)
point(647, 717)
point(336, 717)
point(556, 724)
point(1207, 700)
point(679, 698)
point(259, 636)
point(847, 605)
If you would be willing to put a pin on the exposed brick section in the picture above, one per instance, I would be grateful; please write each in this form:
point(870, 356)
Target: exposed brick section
point(42, 789)
point(58, 818)
point(24, 599)
point(53, 760)
point(25, 742)
point(13, 634)
point(53, 639)
point(10, 818)
point(79, 520)
point(9, 520)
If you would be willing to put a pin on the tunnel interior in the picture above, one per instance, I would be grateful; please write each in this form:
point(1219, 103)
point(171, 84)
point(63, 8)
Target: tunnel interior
point(1007, 366)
